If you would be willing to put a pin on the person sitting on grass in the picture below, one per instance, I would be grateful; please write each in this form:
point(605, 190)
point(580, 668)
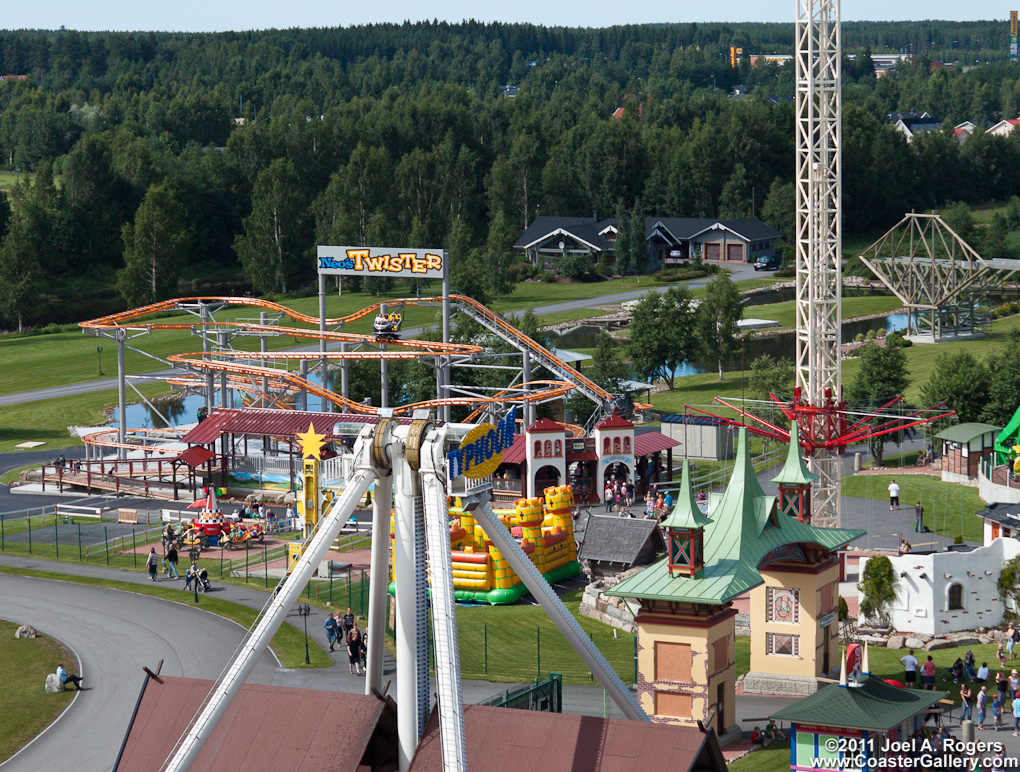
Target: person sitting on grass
point(66, 678)
point(969, 665)
point(757, 738)
point(773, 732)
point(982, 673)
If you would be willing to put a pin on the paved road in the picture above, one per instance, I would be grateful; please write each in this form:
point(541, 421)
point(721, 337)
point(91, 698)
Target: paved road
point(17, 398)
point(115, 634)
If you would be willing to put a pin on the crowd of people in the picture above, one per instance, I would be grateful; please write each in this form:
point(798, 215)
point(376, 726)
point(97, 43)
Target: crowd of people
point(342, 630)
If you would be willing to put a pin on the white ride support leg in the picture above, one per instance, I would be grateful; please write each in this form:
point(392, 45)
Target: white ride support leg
point(379, 580)
point(537, 585)
point(411, 631)
point(444, 605)
point(251, 649)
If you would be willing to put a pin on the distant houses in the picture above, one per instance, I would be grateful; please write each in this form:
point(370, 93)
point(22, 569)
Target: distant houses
point(669, 240)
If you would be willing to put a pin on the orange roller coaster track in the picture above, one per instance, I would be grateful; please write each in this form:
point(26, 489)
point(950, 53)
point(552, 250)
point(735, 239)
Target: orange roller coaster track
point(226, 361)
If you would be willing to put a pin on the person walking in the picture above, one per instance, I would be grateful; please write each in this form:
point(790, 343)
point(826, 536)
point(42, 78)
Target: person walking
point(894, 496)
point(152, 563)
point(909, 669)
point(982, 706)
point(354, 651)
point(966, 702)
point(67, 678)
point(348, 622)
point(332, 632)
point(171, 562)
point(1011, 640)
point(609, 497)
point(918, 517)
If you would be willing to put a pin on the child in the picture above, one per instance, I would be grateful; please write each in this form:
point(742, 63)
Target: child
point(997, 712)
point(1001, 655)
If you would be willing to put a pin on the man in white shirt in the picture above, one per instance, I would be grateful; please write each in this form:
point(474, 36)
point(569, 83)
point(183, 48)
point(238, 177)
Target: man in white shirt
point(982, 672)
point(894, 495)
point(910, 669)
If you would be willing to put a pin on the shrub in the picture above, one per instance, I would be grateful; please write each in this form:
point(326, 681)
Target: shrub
point(547, 276)
point(844, 610)
point(859, 338)
point(881, 332)
point(877, 588)
point(576, 267)
point(671, 275)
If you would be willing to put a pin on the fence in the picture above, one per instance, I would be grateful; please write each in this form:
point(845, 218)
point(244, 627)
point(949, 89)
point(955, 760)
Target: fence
point(545, 696)
point(46, 534)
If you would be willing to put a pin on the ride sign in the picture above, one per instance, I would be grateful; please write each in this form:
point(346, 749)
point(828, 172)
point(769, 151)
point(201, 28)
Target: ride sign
point(380, 261)
point(481, 450)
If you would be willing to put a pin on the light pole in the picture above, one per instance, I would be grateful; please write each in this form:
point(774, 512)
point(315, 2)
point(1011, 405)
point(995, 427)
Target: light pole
point(99, 350)
point(304, 610)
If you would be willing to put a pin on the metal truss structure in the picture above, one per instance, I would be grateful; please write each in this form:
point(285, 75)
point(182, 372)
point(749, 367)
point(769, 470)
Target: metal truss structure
point(818, 398)
point(941, 280)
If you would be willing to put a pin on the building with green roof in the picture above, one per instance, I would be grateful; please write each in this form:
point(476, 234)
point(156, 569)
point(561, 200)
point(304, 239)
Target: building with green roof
point(686, 635)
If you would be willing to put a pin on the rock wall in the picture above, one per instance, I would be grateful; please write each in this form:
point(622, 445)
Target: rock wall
point(616, 612)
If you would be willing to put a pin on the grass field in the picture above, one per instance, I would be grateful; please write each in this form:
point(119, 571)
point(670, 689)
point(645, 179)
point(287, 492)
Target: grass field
point(785, 313)
point(775, 758)
point(47, 420)
point(25, 707)
point(949, 508)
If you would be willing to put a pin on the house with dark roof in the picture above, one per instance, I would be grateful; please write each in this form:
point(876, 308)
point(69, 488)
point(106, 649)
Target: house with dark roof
point(669, 240)
point(614, 544)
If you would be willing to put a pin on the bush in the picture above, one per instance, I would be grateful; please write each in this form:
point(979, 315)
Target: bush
point(896, 340)
point(786, 271)
point(576, 267)
point(881, 333)
point(844, 610)
point(547, 276)
point(870, 335)
point(877, 588)
point(958, 539)
point(859, 338)
point(671, 275)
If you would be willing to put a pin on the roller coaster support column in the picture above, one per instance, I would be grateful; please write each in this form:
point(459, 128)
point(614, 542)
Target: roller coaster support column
point(327, 406)
point(384, 371)
point(444, 411)
point(264, 347)
point(303, 371)
point(204, 310)
point(411, 603)
point(221, 338)
point(528, 414)
point(343, 375)
point(121, 396)
point(379, 578)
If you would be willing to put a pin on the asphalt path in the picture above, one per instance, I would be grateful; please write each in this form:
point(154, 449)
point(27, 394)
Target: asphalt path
point(115, 634)
point(20, 397)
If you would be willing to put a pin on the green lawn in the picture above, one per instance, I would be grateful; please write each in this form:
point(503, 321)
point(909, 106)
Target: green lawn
point(517, 643)
point(25, 707)
point(949, 508)
point(47, 420)
point(785, 313)
point(775, 758)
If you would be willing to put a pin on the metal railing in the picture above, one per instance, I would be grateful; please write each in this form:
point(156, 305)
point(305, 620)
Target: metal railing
point(545, 696)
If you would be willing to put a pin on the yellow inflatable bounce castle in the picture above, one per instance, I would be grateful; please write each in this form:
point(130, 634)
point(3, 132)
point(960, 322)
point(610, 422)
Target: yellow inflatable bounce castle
point(545, 530)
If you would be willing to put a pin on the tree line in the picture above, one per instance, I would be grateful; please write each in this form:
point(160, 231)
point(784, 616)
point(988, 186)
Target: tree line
point(153, 164)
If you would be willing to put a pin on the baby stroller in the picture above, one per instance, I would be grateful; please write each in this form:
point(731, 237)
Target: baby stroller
point(200, 577)
point(954, 673)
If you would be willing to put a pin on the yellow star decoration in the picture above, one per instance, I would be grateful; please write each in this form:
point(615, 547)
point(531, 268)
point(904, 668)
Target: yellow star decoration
point(311, 443)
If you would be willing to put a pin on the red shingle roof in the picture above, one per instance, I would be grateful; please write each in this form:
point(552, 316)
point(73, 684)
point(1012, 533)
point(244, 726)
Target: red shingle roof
point(265, 728)
point(509, 740)
point(614, 421)
point(517, 452)
point(195, 456)
point(277, 423)
point(651, 442)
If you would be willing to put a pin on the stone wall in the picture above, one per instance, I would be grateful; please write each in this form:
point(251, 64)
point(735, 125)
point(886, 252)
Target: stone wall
point(616, 612)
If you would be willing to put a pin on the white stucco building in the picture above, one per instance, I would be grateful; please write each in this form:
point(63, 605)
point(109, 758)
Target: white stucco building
point(944, 592)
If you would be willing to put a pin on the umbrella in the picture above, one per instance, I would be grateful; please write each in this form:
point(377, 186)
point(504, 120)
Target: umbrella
point(894, 682)
point(200, 504)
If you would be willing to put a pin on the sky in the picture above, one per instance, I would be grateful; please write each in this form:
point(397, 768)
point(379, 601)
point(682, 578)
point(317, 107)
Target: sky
point(193, 15)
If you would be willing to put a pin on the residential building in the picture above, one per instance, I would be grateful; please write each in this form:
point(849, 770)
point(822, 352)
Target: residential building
point(669, 240)
point(1005, 127)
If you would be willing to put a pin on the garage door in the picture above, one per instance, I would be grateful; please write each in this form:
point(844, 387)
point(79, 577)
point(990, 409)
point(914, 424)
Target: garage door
point(713, 251)
point(734, 251)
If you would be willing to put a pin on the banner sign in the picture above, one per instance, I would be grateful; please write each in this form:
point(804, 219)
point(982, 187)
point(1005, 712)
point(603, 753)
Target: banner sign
point(1012, 35)
point(380, 261)
point(481, 450)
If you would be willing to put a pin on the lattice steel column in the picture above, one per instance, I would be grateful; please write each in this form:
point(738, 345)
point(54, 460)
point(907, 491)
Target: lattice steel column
point(819, 240)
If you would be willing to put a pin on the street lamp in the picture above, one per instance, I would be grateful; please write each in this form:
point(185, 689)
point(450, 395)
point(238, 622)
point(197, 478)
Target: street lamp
point(99, 350)
point(304, 610)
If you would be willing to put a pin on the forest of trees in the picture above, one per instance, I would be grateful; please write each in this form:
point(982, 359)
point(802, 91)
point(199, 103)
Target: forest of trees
point(162, 163)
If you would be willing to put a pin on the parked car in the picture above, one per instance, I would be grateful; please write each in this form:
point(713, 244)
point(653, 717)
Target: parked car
point(768, 263)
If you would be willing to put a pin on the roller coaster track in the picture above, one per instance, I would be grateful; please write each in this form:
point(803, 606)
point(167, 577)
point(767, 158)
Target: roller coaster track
point(242, 366)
